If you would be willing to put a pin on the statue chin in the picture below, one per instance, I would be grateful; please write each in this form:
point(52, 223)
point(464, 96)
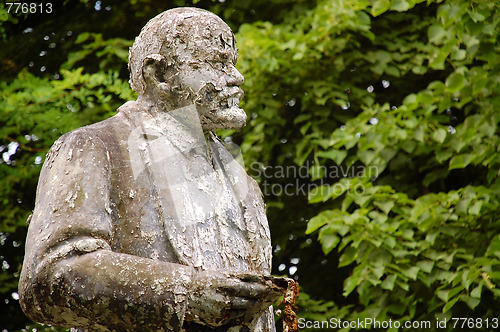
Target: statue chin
point(225, 118)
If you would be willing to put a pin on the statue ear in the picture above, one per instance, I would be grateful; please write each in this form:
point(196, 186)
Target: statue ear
point(154, 69)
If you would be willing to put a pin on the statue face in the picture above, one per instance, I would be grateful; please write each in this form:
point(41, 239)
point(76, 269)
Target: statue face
point(206, 70)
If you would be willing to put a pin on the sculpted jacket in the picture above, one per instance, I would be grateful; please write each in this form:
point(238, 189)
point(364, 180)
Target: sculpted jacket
point(123, 208)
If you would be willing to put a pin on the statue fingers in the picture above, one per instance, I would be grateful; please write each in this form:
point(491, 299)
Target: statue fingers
point(246, 289)
point(242, 303)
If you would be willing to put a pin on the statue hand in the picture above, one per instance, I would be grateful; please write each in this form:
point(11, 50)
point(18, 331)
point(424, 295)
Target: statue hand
point(220, 298)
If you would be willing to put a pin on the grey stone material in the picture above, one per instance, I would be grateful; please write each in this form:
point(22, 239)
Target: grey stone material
point(144, 222)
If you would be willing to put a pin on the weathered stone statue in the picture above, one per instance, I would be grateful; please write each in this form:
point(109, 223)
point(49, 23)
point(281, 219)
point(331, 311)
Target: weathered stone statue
point(144, 221)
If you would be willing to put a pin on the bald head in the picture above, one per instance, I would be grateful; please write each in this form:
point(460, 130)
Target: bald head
point(187, 56)
point(179, 35)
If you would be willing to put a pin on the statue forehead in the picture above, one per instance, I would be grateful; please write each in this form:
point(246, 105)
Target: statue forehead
point(199, 32)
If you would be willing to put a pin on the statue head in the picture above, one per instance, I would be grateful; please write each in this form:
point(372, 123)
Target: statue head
point(185, 56)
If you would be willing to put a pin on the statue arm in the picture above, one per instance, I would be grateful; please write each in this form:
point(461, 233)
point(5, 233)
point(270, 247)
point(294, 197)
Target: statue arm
point(71, 276)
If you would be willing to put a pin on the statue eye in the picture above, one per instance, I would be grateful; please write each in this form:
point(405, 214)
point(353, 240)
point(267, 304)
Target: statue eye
point(220, 60)
point(216, 64)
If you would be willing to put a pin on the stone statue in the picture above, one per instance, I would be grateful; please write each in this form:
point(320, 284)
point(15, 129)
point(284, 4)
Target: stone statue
point(144, 221)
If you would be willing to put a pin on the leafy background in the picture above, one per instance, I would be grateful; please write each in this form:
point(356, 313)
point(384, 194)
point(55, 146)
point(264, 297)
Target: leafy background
point(406, 89)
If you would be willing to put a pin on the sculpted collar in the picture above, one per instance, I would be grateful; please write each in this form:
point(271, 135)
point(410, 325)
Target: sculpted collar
point(180, 127)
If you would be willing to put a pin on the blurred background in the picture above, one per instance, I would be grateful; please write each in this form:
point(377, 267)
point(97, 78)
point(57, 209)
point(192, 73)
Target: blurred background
point(372, 130)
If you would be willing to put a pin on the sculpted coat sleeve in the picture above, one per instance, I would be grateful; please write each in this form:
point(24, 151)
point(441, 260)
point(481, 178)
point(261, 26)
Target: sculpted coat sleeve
point(71, 277)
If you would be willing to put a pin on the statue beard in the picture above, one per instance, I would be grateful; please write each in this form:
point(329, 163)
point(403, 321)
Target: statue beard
point(218, 108)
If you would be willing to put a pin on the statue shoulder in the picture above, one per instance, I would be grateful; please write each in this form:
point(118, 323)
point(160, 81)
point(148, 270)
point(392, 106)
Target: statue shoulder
point(84, 140)
point(96, 131)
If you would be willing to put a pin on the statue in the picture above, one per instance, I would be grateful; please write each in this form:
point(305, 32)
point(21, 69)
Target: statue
point(144, 221)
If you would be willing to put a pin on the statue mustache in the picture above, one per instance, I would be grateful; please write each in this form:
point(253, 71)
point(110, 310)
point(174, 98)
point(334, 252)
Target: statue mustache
point(214, 94)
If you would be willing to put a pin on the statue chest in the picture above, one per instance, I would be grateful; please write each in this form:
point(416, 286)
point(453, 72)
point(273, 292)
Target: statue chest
point(195, 206)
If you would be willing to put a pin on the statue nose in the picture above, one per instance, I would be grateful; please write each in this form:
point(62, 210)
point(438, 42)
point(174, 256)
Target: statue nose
point(234, 77)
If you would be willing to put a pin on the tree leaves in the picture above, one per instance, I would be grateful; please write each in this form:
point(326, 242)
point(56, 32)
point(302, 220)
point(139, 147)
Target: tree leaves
point(455, 82)
point(425, 203)
point(380, 6)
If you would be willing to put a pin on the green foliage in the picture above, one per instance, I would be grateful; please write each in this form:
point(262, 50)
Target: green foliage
point(403, 93)
point(112, 53)
point(408, 92)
